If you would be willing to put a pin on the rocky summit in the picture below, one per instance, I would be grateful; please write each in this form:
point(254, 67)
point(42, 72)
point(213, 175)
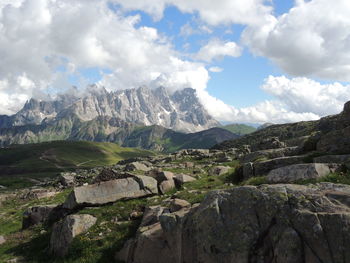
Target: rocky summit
point(264, 197)
point(180, 111)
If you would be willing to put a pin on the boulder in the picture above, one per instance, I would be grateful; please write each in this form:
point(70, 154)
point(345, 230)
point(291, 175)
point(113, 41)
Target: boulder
point(270, 154)
point(268, 143)
point(111, 191)
point(262, 168)
point(218, 170)
point(151, 215)
point(267, 223)
point(155, 242)
point(335, 142)
point(67, 179)
point(180, 179)
point(164, 176)
point(248, 170)
point(189, 165)
point(137, 166)
point(36, 215)
point(166, 186)
point(298, 172)
point(178, 204)
point(2, 240)
point(64, 231)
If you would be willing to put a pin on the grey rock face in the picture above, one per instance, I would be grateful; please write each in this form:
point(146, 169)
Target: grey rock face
point(180, 111)
point(269, 223)
point(296, 172)
point(64, 231)
point(111, 191)
point(67, 179)
point(137, 166)
point(166, 186)
point(180, 179)
point(219, 170)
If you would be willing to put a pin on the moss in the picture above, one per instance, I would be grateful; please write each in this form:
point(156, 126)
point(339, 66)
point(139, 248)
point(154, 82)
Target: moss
point(255, 181)
point(337, 178)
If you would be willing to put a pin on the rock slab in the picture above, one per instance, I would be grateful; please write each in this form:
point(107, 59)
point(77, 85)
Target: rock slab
point(64, 231)
point(111, 191)
point(268, 223)
point(298, 172)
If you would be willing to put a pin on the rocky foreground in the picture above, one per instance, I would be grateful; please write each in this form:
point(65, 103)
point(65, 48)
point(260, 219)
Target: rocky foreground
point(273, 200)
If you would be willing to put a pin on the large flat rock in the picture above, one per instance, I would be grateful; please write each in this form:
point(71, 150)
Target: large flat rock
point(298, 172)
point(111, 191)
point(268, 223)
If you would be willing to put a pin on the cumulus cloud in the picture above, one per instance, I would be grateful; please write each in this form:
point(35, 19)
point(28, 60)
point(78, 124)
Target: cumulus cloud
point(296, 99)
point(216, 69)
point(217, 49)
point(312, 39)
point(212, 12)
point(45, 41)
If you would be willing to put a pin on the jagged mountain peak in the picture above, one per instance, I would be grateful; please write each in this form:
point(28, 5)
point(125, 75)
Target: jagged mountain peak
point(181, 110)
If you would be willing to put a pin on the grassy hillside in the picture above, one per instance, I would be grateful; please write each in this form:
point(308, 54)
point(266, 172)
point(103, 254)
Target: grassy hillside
point(49, 158)
point(239, 129)
point(166, 140)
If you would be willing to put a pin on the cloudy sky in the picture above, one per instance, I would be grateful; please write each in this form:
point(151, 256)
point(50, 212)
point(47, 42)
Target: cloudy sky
point(250, 61)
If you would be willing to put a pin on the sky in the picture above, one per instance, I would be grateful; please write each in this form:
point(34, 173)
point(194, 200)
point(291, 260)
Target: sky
point(251, 61)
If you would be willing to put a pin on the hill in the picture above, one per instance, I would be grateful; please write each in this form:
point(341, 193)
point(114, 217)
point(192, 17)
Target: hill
point(49, 158)
point(239, 129)
point(161, 139)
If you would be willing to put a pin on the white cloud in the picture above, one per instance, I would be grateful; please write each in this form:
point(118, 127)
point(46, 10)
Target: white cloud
point(212, 12)
point(297, 99)
point(216, 69)
point(312, 39)
point(216, 49)
point(39, 36)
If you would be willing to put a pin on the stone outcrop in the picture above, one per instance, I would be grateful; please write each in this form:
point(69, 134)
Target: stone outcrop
point(299, 172)
point(270, 154)
point(64, 231)
point(180, 179)
point(219, 170)
point(137, 166)
point(36, 215)
point(111, 191)
point(269, 223)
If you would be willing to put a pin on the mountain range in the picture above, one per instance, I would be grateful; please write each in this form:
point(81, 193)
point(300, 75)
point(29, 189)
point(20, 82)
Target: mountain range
point(147, 118)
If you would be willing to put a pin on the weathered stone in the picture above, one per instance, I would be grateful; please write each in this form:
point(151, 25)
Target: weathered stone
point(262, 168)
point(164, 176)
point(64, 231)
point(178, 204)
point(272, 223)
point(2, 240)
point(166, 186)
point(268, 143)
point(298, 172)
point(67, 178)
point(270, 154)
point(337, 142)
point(180, 179)
point(189, 165)
point(36, 215)
point(151, 215)
point(332, 159)
point(111, 191)
point(137, 166)
point(247, 171)
point(218, 170)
